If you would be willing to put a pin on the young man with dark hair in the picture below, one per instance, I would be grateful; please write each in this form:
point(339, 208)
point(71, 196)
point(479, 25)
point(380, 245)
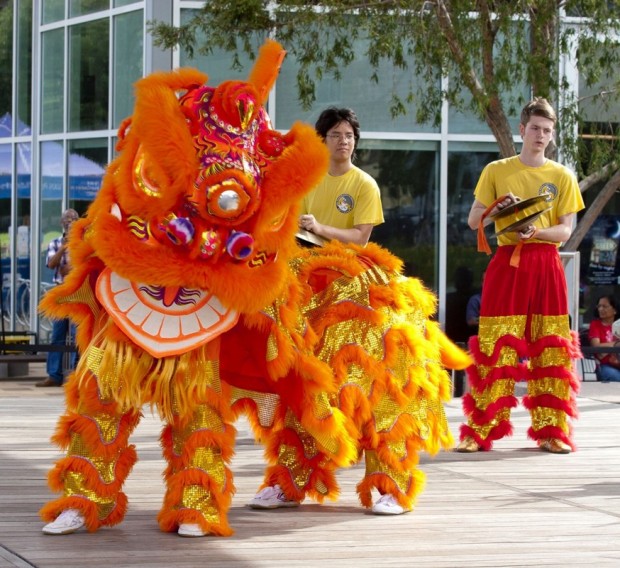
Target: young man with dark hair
point(346, 205)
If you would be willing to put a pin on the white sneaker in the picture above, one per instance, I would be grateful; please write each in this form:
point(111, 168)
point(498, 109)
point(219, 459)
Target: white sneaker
point(271, 498)
point(190, 530)
point(67, 522)
point(388, 505)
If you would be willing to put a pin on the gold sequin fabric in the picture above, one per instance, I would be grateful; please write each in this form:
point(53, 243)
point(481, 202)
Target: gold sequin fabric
point(376, 343)
point(372, 329)
point(511, 351)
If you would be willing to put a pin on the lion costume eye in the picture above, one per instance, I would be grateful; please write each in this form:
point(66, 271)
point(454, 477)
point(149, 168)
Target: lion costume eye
point(227, 200)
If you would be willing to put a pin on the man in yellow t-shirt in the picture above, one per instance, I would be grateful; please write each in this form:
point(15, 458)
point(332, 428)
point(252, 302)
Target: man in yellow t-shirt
point(524, 331)
point(346, 205)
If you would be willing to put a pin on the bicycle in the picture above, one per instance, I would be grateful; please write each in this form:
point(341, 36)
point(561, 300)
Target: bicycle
point(22, 298)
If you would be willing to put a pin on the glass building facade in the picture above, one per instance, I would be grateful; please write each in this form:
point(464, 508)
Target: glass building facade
point(67, 69)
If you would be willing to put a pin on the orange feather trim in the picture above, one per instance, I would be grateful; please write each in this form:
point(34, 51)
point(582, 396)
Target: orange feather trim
point(222, 441)
point(89, 509)
point(345, 452)
point(88, 430)
point(266, 69)
point(91, 476)
point(319, 477)
point(384, 484)
point(355, 405)
point(452, 357)
point(169, 521)
point(51, 510)
point(400, 464)
point(221, 494)
point(170, 516)
point(249, 408)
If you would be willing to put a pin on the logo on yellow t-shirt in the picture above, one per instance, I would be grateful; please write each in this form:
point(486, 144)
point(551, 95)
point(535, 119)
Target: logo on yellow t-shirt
point(344, 203)
point(549, 188)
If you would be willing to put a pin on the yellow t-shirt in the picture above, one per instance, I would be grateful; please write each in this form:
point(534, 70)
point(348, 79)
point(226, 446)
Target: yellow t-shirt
point(345, 201)
point(511, 175)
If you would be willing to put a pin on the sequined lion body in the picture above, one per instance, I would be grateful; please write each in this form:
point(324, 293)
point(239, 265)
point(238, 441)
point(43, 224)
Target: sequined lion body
point(375, 330)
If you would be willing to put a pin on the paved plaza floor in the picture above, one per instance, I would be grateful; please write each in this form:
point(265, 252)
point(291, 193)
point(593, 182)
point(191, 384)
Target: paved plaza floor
point(514, 506)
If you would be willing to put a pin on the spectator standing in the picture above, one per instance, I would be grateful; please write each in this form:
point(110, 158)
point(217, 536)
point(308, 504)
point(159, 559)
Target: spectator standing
point(58, 261)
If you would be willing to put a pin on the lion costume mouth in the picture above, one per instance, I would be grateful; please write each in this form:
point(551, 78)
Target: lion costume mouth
point(164, 321)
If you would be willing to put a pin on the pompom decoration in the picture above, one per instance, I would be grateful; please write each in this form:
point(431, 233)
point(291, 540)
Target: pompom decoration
point(210, 243)
point(180, 231)
point(239, 245)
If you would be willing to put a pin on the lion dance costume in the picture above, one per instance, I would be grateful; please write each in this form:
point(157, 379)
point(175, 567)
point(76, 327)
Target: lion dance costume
point(193, 227)
point(192, 296)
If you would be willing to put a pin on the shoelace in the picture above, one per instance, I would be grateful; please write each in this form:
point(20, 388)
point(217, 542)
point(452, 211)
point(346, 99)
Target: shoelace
point(386, 498)
point(71, 517)
point(269, 492)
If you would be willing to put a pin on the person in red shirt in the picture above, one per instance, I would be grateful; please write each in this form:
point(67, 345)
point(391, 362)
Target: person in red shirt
point(601, 335)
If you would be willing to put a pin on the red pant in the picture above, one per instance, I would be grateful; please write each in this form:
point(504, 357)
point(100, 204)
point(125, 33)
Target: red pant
point(524, 334)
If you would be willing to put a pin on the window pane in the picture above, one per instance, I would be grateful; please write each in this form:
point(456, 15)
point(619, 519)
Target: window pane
point(119, 3)
point(87, 161)
point(81, 7)
point(217, 65)
point(24, 67)
point(52, 11)
point(6, 169)
point(6, 69)
point(52, 97)
point(22, 243)
point(89, 63)
point(128, 50)
point(464, 264)
point(355, 89)
point(407, 173)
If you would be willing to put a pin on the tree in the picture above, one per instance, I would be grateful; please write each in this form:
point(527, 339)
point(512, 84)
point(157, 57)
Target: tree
point(483, 47)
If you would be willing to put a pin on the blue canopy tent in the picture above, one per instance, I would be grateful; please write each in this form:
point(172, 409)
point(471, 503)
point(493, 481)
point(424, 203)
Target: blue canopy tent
point(84, 175)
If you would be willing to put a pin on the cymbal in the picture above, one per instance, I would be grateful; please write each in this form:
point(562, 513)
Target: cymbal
point(515, 208)
point(518, 225)
point(308, 237)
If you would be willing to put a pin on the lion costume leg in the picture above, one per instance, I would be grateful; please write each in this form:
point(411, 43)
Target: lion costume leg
point(301, 469)
point(198, 448)
point(98, 459)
